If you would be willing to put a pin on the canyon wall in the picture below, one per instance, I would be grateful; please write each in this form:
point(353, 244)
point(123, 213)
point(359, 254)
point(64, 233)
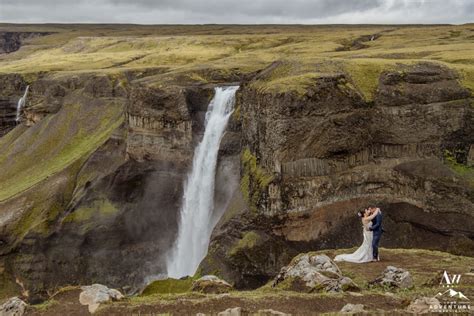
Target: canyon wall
point(109, 212)
point(94, 173)
point(310, 162)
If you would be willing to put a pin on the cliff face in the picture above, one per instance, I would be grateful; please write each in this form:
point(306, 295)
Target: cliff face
point(11, 85)
point(104, 204)
point(294, 168)
point(91, 179)
point(12, 41)
point(320, 157)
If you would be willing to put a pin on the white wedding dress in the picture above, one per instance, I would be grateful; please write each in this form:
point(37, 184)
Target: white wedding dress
point(364, 253)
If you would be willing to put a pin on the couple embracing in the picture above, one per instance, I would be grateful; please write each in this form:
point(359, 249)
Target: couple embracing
point(372, 230)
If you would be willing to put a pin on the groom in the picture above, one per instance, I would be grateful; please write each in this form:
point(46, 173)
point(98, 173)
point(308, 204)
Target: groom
point(377, 229)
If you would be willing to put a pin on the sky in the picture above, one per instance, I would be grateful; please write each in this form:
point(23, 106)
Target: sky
point(238, 11)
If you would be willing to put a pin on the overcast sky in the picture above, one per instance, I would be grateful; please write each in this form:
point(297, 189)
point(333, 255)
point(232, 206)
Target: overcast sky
point(237, 11)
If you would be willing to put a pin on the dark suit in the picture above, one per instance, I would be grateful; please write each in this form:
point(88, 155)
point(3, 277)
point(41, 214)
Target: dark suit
point(377, 229)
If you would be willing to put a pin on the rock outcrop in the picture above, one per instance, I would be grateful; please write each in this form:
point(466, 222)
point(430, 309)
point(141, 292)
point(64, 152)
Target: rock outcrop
point(12, 41)
point(352, 309)
point(11, 87)
point(95, 294)
point(313, 273)
point(393, 277)
point(13, 307)
point(210, 284)
point(423, 305)
point(238, 311)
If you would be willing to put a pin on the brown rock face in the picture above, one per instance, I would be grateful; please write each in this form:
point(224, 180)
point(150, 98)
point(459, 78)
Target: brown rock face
point(12, 41)
point(306, 164)
point(112, 215)
point(12, 87)
point(330, 154)
point(7, 115)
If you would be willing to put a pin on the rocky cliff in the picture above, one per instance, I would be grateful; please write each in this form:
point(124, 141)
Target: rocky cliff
point(91, 178)
point(311, 161)
point(12, 41)
point(104, 203)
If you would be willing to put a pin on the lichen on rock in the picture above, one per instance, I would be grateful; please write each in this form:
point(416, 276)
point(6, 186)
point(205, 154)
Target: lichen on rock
point(254, 180)
point(96, 294)
point(394, 278)
point(210, 284)
point(313, 273)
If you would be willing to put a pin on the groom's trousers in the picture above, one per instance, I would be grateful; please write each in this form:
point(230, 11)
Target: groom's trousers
point(375, 244)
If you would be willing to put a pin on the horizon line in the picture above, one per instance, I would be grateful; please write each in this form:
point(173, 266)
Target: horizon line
point(236, 24)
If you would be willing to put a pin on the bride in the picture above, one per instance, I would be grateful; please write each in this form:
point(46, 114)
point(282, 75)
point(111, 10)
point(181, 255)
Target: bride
point(364, 253)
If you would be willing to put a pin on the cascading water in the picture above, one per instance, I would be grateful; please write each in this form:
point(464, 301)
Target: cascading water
point(196, 223)
point(21, 103)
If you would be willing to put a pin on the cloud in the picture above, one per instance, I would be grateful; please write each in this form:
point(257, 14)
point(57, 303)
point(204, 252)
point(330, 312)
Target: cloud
point(242, 11)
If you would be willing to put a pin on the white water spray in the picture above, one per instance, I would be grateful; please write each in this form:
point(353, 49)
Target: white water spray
point(21, 103)
point(196, 224)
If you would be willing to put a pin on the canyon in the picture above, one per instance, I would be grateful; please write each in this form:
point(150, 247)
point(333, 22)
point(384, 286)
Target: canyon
point(92, 176)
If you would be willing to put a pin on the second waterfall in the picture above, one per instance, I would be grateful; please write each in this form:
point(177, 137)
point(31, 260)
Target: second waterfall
point(195, 222)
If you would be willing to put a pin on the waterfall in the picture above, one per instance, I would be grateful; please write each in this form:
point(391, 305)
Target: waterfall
point(196, 224)
point(21, 103)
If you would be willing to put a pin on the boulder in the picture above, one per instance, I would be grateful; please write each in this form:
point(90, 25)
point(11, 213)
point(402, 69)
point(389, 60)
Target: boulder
point(271, 312)
point(13, 307)
point(394, 277)
point(312, 272)
point(96, 294)
point(352, 309)
point(236, 311)
point(210, 284)
point(422, 305)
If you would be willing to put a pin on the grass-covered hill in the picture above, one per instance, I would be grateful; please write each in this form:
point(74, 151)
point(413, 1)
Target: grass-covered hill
point(195, 52)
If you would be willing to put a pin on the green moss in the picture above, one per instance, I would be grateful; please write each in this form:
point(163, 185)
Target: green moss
point(291, 284)
point(30, 77)
point(46, 206)
point(245, 186)
point(46, 158)
point(197, 77)
point(254, 180)
point(466, 76)
point(168, 286)
point(236, 115)
point(98, 209)
point(248, 241)
point(292, 83)
point(55, 143)
point(365, 74)
point(45, 306)
point(459, 168)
